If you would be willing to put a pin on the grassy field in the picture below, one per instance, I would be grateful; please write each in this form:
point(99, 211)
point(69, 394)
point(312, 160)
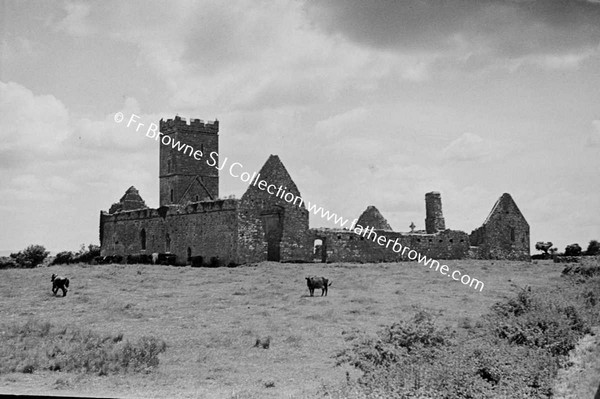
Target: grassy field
point(211, 318)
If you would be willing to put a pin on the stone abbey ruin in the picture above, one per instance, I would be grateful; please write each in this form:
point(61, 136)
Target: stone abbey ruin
point(193, 225)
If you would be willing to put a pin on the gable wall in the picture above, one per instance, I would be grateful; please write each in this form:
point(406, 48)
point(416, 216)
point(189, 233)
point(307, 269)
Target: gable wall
point(494, 237)
point(294, 245)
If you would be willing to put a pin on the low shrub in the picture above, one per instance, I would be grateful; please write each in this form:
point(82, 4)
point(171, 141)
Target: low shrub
point(593, 248)
point(566, 259)
point(143, 259)
point(85, 255)
point(412, 337)
point(30, 257)
point(538, 321)
point(105, 260)
point(64, 258)
point(584, 270)
point(167, 259)
point(196, 261)
point(515, 352)
point(38, 345)
point(7, 263)
point(573, 250)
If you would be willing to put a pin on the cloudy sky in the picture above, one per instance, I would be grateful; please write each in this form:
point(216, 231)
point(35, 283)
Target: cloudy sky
point(366, 103)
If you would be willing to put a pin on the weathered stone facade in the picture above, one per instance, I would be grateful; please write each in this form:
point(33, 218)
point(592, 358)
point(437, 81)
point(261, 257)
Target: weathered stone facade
point(373, 218)
point(434, 217)
point(193, 224)
point(346, 246)
point(183, 178)
point(504, 234)
point(206, 229)
point(129, 201)
point(271, 228)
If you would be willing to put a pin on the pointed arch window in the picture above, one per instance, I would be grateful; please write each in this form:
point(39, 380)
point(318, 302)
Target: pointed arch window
point(168, 243)
point(143, 238)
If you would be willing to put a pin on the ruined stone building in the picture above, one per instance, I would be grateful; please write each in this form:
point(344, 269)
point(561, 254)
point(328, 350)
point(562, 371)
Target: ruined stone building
point(193, 223)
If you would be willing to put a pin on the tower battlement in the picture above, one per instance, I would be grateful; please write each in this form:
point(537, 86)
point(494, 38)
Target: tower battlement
point(179, 124)
point(182, 177)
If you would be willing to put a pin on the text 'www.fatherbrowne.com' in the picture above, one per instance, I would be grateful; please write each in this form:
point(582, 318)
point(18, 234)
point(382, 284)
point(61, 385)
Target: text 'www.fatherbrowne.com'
point(236, 170)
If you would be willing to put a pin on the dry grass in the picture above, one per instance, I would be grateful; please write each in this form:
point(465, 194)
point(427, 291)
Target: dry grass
point(582, 377)
point(211, 319)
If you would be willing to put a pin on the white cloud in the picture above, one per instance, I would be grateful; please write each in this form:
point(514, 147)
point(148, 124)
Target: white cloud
point(545, 33)
point(62, 166)
point(33, 125)
point(468, 148)
point(338, 125)
point(224, 56)
point(75, 22)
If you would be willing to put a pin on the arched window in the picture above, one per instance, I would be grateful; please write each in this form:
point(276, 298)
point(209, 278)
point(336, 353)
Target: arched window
point(512, 234)
point(168, 243)
point(143, 238)
point(317, 247)
point(189, 253)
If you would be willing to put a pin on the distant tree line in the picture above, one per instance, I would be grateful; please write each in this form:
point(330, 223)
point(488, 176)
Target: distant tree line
point(35, 255)
point(85, 255)
point(570, 250)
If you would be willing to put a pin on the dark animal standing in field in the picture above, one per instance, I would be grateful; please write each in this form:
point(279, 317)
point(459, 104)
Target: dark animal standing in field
point(317, 282)
point(264, 342)
point(59, 282)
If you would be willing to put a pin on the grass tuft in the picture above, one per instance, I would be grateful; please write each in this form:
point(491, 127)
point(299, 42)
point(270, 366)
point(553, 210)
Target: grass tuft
point(516, 352)
point(38, 345)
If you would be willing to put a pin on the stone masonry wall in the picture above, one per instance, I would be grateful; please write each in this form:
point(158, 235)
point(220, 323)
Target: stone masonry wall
point(178, 168)
point(256, 205)
point(434, 217)
point(208, 228)
point(346, 246)
point(504, 234)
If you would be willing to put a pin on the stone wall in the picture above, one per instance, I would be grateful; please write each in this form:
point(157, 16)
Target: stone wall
point(504, 234)
point(207, 229)
point(434, 217)
point(191, 178)
point(347, 246)
point(271, 228)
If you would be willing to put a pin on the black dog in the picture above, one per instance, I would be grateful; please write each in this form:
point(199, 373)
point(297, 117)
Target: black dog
point(59, 282)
